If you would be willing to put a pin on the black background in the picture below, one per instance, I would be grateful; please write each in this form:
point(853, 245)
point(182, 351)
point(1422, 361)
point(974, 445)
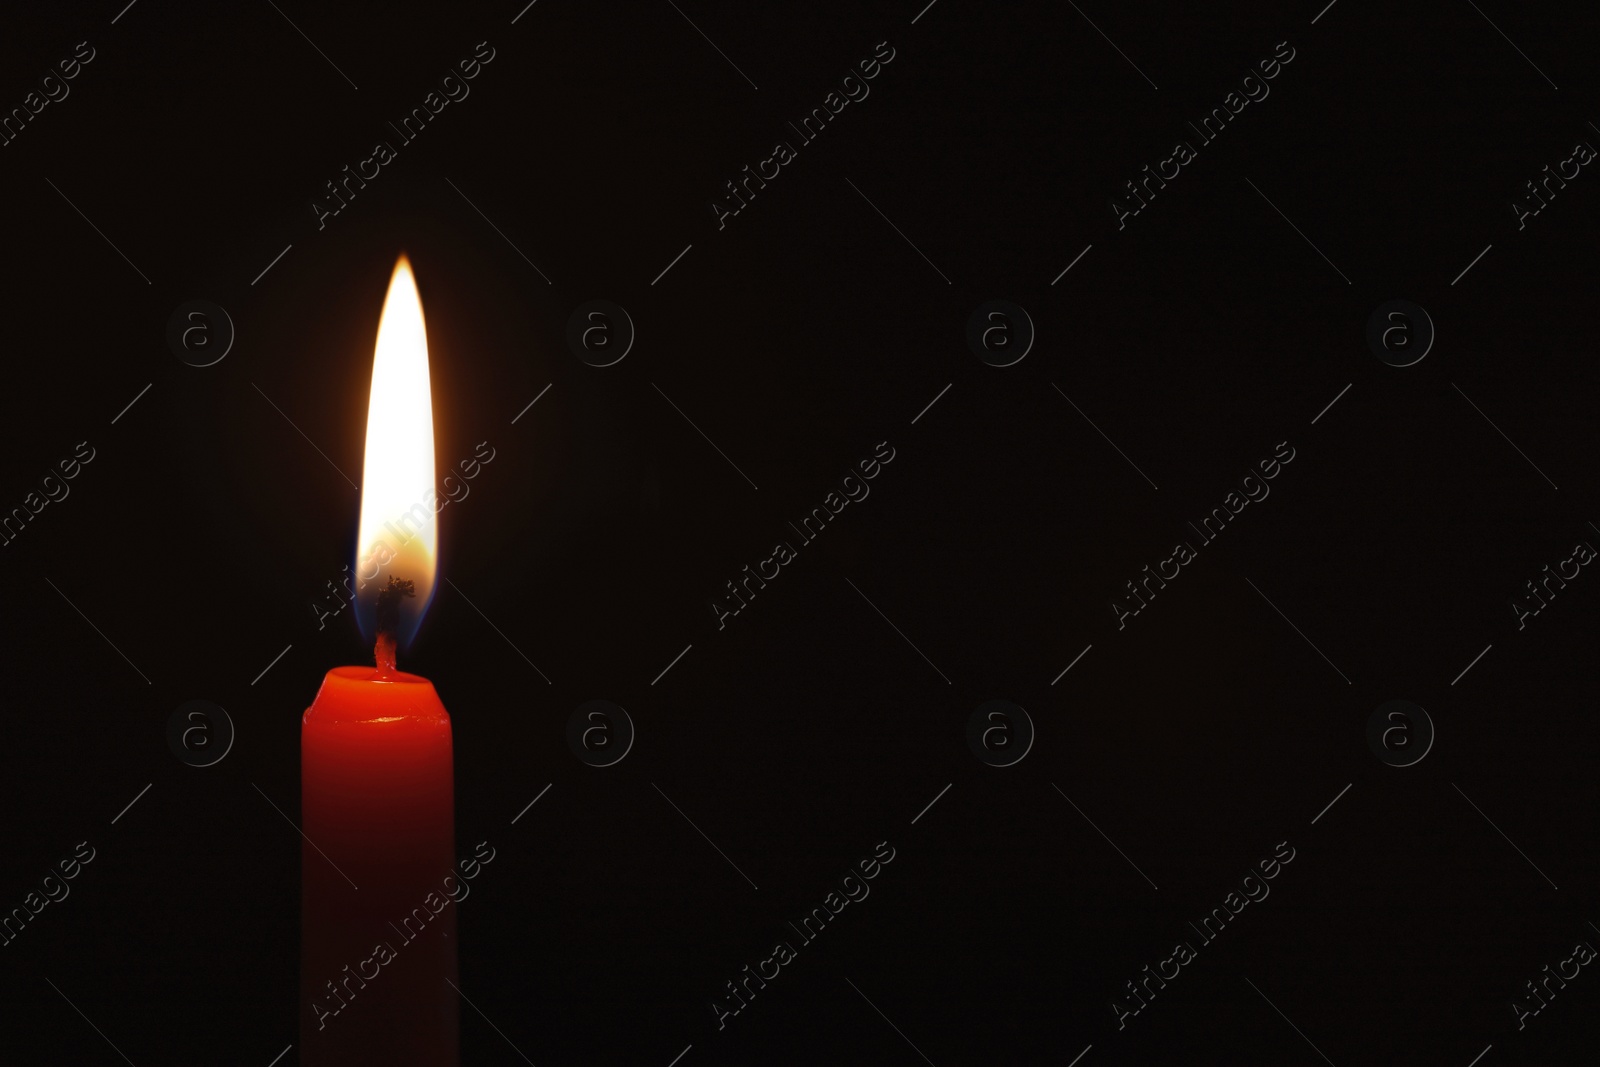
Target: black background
point(797, 338)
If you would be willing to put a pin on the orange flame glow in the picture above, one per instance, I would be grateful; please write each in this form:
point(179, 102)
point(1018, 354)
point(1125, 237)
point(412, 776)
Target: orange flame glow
point(398, 536)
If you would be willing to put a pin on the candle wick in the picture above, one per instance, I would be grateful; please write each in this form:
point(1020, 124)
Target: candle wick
point(383, 654)
point(388, 621)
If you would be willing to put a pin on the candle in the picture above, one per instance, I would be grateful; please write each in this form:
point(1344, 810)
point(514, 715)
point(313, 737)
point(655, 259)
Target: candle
point(378, 940)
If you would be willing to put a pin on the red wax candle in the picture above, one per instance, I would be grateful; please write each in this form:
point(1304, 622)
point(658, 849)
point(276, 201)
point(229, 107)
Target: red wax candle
point(378, 935)
point(379, 938)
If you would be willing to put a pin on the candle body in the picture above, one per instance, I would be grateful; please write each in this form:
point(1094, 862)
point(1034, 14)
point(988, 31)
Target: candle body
point(378, 933)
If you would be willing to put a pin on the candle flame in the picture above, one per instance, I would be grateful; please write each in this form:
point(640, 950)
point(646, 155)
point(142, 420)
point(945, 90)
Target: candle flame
point(398, 538)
